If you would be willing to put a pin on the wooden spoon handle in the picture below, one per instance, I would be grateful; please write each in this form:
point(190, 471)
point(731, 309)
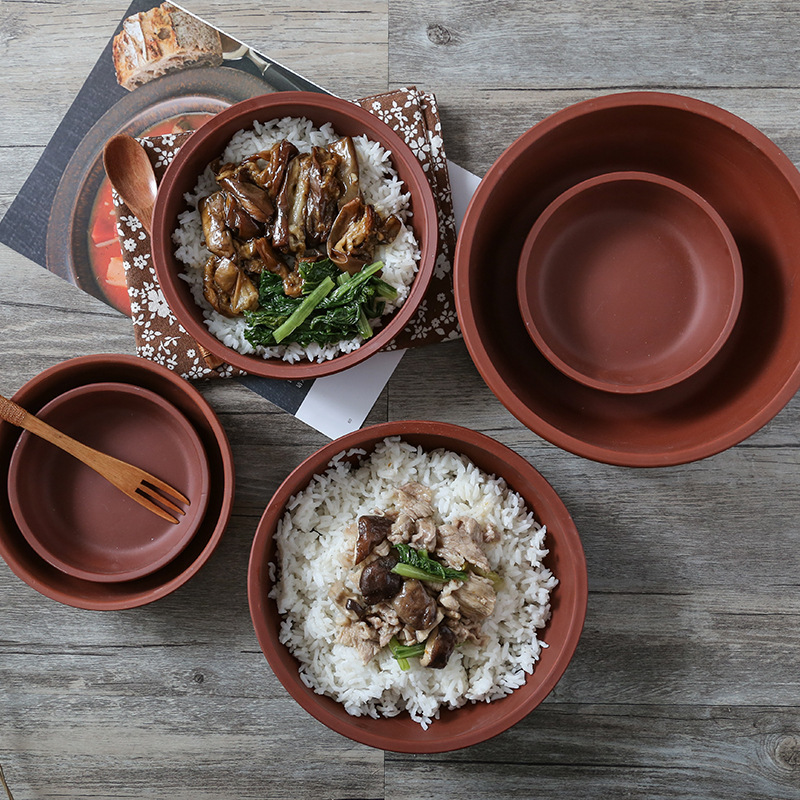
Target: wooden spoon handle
point(212, 361)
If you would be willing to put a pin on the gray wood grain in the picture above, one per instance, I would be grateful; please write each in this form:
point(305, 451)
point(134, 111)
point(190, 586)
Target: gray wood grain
point(610, 750)
point(594, 44)
point(685, 682)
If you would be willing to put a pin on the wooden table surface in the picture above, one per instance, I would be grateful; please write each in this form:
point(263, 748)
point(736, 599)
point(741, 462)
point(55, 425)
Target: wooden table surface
point(686, 681)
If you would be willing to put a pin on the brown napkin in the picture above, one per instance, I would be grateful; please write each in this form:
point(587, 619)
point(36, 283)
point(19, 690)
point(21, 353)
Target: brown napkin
point(160, 337)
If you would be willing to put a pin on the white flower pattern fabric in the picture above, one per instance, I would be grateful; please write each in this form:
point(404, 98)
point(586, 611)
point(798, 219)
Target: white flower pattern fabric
point(160, 337)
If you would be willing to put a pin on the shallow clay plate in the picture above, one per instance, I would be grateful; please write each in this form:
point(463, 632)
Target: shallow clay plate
point(629, 282)
point(471, 723)
point(42, 576)
point(753, 186)
point(78, 521)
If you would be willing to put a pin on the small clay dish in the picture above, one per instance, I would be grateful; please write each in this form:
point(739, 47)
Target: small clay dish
point(473, 722)
point(629, 282)
point(78, 521)
point(58, 585)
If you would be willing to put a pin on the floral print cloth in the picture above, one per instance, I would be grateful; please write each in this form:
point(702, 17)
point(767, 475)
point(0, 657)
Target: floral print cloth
point(160, 337)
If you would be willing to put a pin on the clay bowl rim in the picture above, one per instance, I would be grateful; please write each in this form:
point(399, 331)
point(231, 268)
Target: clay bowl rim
point(731, 270)
point(208, 141)
point(55, 585)
point(626, 454)
point(178, 536)
point(400, 734)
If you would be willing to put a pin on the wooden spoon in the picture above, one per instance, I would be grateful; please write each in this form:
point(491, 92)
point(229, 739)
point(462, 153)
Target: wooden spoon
point(129, 169)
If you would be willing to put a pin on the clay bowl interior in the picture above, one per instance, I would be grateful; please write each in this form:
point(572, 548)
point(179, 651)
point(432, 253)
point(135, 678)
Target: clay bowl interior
point(629, 282)
point(78, 521)
point(30, 567)
point(753, 186)
point(208, 142)
point(472, 723)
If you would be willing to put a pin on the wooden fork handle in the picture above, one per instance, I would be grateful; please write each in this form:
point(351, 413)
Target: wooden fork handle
point(16, 415)
point(130, 480)
point(11, 412)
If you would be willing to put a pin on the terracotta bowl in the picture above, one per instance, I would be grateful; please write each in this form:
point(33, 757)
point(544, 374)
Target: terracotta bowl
point(29, 566)
point(629, 282)
point(208, 142)
point(472, 723)
point(752, 185)
point(87, 527)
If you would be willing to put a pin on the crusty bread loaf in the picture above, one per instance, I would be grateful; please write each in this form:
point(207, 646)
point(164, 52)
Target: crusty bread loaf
point(162, 40)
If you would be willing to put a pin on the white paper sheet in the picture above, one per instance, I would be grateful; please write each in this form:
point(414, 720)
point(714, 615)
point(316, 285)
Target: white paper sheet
point(339, 404)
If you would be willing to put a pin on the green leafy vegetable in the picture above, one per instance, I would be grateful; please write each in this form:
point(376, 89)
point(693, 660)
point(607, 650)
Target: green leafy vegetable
point(342, 313)
point(300, 314)
point(349, 291)
point(385, 290)
point(364, 327)
point(403, 652)
point(417, 564)
point(314, 272)
point(487, 573)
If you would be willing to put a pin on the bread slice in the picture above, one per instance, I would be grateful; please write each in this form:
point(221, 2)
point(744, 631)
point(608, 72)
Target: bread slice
point(161, 40)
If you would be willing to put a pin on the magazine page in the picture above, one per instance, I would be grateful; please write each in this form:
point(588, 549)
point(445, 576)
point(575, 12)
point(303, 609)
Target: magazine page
point(164, 72)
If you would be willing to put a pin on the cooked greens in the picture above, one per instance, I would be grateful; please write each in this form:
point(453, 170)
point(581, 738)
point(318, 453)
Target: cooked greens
point(402, 652)
point(417, 564)
point(332, 306)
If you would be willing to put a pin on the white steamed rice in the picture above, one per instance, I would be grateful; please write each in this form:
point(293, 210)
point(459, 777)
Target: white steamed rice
point(311, 541)
point(380, 186)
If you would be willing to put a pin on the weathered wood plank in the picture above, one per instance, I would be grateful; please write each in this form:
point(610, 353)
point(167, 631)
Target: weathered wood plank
point(684, 683)
point(601, 751)
point(701, 648)
point(180, 747)
point(594, 44)
point(479, 124)
point(341, 46)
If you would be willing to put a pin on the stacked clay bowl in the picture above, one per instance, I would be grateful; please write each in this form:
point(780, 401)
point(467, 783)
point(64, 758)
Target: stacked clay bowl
point(629, 282)
point(72, 536)
point(716, 398)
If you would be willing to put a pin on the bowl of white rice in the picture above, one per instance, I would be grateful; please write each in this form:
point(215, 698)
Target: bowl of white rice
point(527, 641)
point(392, 182)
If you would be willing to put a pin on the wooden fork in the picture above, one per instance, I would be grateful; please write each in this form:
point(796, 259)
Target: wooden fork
point(136, 483)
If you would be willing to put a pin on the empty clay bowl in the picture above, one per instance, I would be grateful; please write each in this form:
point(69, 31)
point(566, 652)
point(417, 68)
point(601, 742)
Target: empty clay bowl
point(56, 584)
point(629, 282)
point(208, 143)
point(78, 521)
point(473, 722)
point(753, 186)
